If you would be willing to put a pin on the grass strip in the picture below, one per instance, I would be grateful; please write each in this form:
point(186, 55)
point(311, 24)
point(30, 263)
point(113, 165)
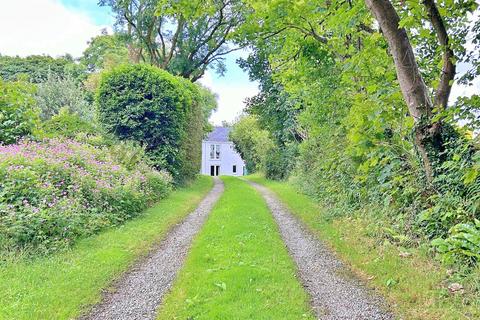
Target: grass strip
point(62, 285)
point(238, 267)
point(414, 285)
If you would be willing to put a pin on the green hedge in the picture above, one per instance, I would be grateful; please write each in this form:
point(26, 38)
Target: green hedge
point(157, 109)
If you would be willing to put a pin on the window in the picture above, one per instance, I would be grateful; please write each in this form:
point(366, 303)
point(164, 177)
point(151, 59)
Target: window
point(234, 169)
point(214, 151)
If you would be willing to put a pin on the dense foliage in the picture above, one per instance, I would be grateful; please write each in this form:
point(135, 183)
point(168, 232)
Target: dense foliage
point(335, 93)
point(18, 112)
point(35, 68)
point(54, 191)
point(57, 92)
point(251, 142)
point(161, 111)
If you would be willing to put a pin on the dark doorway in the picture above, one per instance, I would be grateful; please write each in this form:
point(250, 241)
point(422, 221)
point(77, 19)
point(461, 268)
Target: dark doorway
point(234, 169)
point(212, 170)
point(217, 170)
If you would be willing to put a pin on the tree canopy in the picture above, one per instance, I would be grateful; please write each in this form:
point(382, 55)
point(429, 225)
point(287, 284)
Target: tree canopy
point(183, 37)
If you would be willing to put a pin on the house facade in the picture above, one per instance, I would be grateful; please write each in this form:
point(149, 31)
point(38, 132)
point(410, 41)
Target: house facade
point(219, 156)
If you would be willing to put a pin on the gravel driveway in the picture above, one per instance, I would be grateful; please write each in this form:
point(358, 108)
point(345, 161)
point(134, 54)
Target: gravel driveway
point(138, 294)
point(333, 296)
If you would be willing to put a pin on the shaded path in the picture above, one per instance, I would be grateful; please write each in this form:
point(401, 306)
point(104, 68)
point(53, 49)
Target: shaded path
point(333, 296)
point(138, 294)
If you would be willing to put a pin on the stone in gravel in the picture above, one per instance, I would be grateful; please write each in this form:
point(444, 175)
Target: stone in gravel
point(333, 296)
point(139, 293)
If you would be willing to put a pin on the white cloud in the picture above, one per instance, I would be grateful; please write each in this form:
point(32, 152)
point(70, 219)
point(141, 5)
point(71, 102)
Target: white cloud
point(231, 97)
point(43, 27)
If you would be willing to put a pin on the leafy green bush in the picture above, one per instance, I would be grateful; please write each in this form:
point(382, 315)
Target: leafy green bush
point(160, 111)
point(251, 142)
point(54, 191)
point(18, 114)
point(58, 92)
point(67, 124)
point(280, 162)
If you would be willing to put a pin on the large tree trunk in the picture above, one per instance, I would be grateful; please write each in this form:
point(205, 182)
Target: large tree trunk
point(413, 87)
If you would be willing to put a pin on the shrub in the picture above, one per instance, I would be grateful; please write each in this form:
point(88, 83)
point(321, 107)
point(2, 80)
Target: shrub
point(279, 162)
point(251, 142)
point(67, 124)
point(160, 111)
point(54, 191)
point(18, 115)
point(62, 92)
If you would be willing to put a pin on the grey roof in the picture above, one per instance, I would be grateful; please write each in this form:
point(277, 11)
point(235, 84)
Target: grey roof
point(219, 134)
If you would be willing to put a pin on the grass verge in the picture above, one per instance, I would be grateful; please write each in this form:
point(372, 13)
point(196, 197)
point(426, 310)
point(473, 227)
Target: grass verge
point(238, 267)
point(414, 285)
point(61, 286)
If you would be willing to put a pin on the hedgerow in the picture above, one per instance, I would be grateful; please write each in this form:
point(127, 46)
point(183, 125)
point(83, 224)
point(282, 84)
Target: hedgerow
point(157, 109)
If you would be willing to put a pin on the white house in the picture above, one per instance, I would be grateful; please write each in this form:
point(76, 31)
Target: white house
point(219, 156)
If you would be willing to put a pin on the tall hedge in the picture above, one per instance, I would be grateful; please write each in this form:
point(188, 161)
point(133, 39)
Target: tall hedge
point(157, 109)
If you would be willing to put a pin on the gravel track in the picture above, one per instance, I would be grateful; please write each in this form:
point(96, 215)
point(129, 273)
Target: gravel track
point(333, 295)
point(138, 294)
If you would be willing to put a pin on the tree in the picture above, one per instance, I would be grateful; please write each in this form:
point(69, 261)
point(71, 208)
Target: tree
point(428, 135)
point(105, 51)
point(183, 37)
point(417, 37)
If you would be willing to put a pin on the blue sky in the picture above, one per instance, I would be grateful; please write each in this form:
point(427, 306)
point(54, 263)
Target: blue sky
point(99, 15)
point(57, 27)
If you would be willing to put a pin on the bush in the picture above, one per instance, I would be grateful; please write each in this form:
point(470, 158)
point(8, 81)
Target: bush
point(67, 124)
point(62, 92)
point(160, 111)
point(279, 162)
point(18, 115)
point(251, 142)
point(54, 191)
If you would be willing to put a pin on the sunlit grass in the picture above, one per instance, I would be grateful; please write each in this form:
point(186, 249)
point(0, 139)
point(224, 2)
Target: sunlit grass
point(238, 267)
point(414, 285)
point(62, 285)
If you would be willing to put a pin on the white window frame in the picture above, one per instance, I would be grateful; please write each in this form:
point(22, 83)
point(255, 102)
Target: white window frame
point(214, 152)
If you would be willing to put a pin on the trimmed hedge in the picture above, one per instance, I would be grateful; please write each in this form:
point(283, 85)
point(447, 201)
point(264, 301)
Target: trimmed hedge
point(161, 111)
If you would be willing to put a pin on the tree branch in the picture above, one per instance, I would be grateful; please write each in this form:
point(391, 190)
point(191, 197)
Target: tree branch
point(448, 69)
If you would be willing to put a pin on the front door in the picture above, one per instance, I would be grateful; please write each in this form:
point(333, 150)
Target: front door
point(214, 171)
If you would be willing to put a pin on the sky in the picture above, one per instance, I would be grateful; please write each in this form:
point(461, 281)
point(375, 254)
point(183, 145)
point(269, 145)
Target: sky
point(57, 27)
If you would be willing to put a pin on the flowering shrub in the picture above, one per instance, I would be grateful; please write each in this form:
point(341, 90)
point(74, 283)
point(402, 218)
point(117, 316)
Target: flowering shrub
point(54, 191)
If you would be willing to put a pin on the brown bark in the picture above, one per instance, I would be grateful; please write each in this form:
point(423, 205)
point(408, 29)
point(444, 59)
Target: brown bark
point(413, 87)
point(448, 70)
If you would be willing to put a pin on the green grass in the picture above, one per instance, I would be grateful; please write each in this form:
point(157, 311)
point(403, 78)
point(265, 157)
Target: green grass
point(62, 285)
point(238, 267)
point(415, 286)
